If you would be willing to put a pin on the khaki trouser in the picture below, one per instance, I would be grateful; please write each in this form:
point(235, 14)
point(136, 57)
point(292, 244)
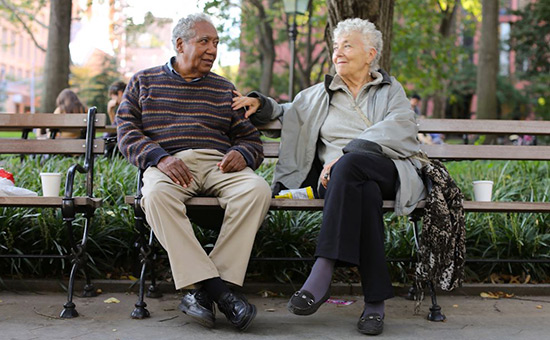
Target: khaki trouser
point(245, 197)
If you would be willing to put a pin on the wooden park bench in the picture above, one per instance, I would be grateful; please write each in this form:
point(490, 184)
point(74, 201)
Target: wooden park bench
point(444, 152)
point(70, 206)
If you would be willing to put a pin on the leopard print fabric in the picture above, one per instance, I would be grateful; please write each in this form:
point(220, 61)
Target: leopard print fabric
point(442, 242)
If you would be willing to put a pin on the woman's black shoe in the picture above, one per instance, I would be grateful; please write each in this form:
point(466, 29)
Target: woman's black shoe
point(237, 310)
point(303, 302)
point(371, 324)
point(198, 305)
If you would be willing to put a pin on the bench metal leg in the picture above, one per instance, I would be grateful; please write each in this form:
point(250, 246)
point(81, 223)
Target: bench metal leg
point(153, 291)
point(140, 311)
point(435, 310)
point(78, 260)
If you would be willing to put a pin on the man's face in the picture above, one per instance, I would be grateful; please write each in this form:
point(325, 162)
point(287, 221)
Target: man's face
point(199, 53)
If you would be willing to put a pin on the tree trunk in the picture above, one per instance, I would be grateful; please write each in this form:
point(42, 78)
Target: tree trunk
point(487, 70)
point(266, 45)
point(58, 57)
point(446, 30)
point(379, 12)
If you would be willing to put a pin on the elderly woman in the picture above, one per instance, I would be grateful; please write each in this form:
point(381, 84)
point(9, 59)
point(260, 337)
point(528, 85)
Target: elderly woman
point(360, 126)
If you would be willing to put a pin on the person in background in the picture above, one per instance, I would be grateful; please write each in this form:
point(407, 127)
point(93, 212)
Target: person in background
point(359, 128)
point(116, 90)
point(68, 102)
point(431, 138)
point(415, 101)
point(176, 122)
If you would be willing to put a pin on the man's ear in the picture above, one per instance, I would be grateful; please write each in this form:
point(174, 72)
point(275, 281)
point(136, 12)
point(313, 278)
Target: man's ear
point(179, 45)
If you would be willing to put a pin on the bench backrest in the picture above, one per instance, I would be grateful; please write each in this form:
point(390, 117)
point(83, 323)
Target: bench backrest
point(463, 151)
point(63, 122)
point(65, 146)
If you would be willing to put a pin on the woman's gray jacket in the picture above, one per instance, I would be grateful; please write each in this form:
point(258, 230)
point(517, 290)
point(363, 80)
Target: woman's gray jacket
point(393, 133)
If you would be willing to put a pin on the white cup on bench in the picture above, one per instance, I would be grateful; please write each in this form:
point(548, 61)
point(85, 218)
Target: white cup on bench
point(51, 182)
point(483, 191)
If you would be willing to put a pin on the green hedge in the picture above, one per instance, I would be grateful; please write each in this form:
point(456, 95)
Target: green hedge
point(284, 233)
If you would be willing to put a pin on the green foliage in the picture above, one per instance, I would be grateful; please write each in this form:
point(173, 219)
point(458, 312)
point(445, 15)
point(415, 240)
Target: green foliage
point(290, 234)
point(283, 234)
point(529, 38)
point(135, 31)
point(253, 15)
point(93, 90)
point(41, 231)
point(421, 55)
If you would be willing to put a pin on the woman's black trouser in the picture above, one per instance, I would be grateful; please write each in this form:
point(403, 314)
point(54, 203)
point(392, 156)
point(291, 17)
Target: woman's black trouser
point(352, 232)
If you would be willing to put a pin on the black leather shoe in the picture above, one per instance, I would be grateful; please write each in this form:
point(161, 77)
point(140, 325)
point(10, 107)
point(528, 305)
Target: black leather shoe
point(198, 305)
point(371, 324)
point(237, 310)
point(303, 302)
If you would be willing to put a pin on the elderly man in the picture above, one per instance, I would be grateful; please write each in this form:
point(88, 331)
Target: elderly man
point(176, 122)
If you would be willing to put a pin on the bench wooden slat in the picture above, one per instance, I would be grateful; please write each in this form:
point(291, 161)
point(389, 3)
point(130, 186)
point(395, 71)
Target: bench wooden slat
point(494, 152)
point(17, 121)
point(271, 149)
point(457, 126)
point(48, 146)
point(461, 151)
point(484, 126)
point(46, 202)
point(317, 204)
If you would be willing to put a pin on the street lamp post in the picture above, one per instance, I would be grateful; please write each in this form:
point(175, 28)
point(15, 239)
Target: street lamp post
point(292, 9)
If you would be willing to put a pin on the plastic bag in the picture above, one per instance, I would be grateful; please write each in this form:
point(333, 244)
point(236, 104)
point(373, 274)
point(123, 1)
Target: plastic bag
point(302, 193)
point(8, 188)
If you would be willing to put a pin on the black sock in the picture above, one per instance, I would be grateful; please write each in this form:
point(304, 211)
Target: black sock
point(215, 287)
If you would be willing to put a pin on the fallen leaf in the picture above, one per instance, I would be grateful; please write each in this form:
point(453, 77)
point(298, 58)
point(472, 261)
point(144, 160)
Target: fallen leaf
point(495, 278)
point(527, 279)
point(455, 306)
point(267, 293)
point(114, 329)
point(98, 291)
point(112, 300)
point(488, 295)
point(515, 279)
point(133, 278)
point(539, 306)
point(270, 310)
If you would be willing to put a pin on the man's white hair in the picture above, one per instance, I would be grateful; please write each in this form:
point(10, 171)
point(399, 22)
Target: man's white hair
point(185, 28)
point(369, 34)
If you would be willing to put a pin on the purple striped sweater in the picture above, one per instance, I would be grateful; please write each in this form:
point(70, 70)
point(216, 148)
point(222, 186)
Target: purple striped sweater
point(162, 114)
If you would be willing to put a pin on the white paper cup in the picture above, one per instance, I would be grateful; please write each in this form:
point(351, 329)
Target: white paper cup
point(483, 190)
point(51, 182)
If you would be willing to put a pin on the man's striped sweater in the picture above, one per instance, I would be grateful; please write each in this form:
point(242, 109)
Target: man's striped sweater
point(162, 114)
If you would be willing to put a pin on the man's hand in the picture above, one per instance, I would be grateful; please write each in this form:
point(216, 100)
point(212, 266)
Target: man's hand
point(176, 169)
point(233, 161)
point(325, 174)
point(251, 105)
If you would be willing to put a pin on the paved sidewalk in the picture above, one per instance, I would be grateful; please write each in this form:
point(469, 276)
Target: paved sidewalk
point(28, 315)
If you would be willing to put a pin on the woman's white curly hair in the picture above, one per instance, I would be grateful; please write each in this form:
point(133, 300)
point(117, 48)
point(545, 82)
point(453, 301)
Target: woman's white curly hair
point(370, 35)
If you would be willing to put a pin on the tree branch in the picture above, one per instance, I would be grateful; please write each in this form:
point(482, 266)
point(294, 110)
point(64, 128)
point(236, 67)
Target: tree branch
point(10, 7)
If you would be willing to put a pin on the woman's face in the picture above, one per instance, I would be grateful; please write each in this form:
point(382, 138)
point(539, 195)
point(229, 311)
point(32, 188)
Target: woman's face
point(350, 56)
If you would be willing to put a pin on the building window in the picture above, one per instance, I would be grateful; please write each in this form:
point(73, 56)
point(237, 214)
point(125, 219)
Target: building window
point(504, 57)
